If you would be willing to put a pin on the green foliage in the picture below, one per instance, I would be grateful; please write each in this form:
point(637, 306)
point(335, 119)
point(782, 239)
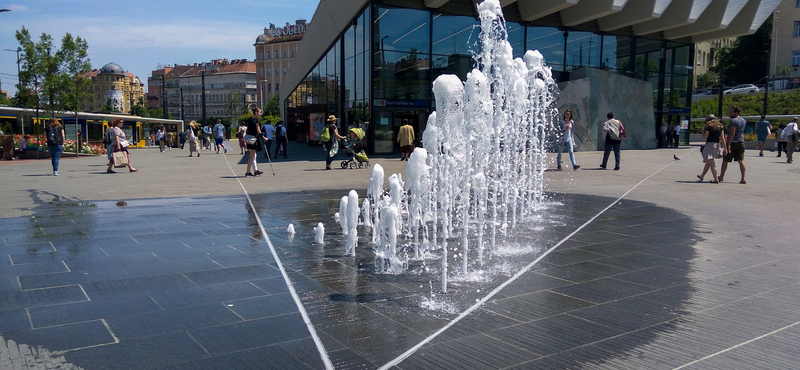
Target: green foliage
point(273, 107)
point(707, 80)
point(779, 103)
point(108, 107)
point(783, 71)
point(747, 58)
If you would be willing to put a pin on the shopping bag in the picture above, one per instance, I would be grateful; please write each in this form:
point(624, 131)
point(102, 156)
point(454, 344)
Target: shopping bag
point(120, 159)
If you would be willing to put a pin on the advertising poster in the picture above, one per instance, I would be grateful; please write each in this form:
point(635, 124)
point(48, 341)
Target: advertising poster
point(116, 99)
point(315, 126)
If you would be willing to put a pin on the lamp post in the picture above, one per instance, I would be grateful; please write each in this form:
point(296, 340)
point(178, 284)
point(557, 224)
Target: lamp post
point(203, 93)
point(773, 60)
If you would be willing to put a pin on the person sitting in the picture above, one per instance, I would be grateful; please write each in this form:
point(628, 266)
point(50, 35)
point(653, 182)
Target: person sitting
point(23, 145)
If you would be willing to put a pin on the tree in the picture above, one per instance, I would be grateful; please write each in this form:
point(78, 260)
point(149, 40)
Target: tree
point(108, 107)
point(707, 80)
point(783, 71)
point(233, 105)
point(74, 65)
point(273, 107)
point(33, 67)
point(138, 108)
point(747, 58)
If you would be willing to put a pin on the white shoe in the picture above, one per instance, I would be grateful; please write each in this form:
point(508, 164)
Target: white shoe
point(55, 173)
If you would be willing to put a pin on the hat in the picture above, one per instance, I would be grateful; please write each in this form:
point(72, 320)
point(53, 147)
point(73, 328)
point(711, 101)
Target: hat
point(710, 117)
point(331, 118)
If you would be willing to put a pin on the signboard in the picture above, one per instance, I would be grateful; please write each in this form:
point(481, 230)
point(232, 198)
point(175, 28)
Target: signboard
point(116, 99)
point(316, 125)
point(287, 30)
point(400, 103)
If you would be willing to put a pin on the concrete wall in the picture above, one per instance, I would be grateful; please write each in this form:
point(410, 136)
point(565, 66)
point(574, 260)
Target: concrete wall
point(596, 93)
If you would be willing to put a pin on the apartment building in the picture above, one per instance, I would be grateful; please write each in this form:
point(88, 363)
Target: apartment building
point(112, 84)
point(274, 51)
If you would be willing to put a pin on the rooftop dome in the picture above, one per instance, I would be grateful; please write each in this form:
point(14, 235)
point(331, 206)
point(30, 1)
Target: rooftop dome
point(112, 68)
point(262, 38)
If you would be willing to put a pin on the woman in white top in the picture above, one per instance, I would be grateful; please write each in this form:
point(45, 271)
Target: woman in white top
point(119, 139)
point(566, 139)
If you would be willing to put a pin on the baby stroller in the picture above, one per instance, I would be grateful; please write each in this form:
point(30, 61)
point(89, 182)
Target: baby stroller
point(352, 147)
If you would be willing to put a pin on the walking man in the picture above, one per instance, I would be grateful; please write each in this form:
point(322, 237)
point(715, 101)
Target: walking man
point(734, 144)
point(614, 135)
point(762, 131)
point(219, 136)
point(268, 130)
point(280, 140)
point(790, 134)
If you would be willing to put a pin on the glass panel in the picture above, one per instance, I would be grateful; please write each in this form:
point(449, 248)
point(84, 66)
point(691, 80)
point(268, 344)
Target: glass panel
point(453, 41)
point(516, 37)
point(407, 29)
point(583, 49)
point(349, 66)
point(617, 54)
point(401, 61)
point(330, 79)
point(359, 58)
point(550, 42)
point(383, 133)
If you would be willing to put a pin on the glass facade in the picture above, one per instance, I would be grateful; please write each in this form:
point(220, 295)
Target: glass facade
point(380, 69)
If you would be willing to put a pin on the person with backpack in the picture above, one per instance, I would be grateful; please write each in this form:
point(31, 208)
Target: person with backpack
point(615, 132)
point(280, 140)
point(55, 143)
point(108, 141)
point(329, 139)
point(268, 132)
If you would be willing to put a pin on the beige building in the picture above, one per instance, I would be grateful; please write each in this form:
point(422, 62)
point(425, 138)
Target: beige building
point(705, 53)
point(275, 49)
point(115, 85)
point(786, 42)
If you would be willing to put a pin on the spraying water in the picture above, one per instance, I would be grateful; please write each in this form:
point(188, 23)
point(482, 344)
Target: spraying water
point(481, 170)
point(319, 233)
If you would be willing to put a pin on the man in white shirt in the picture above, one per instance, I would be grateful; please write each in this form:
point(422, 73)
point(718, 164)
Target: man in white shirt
point(790, 134)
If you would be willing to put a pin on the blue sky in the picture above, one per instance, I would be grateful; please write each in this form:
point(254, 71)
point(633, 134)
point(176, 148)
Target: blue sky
point(140, 35)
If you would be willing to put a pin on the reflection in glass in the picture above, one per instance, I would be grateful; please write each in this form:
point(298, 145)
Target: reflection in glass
point(617, 54)
point(549, 42)
point(583, 49)
point(454, 39)
point(401, 63)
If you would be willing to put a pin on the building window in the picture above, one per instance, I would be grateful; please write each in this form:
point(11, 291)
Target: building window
point(260, 55)
point(795, 58)
point(277, 56)
point(277, 86)
point(284, 54)
point(268, 71)
point(797, 28)
point(284, 71)
point(268, 55)
point(260, 71)
point(277, 72)
point(269, 88)
point(293, 50)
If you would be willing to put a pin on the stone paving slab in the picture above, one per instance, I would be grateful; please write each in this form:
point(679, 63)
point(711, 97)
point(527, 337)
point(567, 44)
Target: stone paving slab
point(677, 274)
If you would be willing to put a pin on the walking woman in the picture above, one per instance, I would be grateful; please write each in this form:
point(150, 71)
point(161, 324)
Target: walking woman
point(121, 144)
point(565, 140)
point(160, 138)
point(55, 143)
point(192, 137)
point(251, 140)
point(332, 143)
point(713, 135)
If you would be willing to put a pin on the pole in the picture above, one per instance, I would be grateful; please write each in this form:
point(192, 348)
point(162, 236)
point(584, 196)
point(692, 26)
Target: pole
point(182, 117)
point(721, 85)
point(164, 95)
point(203, 93)
point(773, 57)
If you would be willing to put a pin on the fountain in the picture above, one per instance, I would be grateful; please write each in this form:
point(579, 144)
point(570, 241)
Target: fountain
point(481, 170)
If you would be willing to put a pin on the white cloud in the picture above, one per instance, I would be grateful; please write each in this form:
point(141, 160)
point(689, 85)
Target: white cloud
point(17, 8)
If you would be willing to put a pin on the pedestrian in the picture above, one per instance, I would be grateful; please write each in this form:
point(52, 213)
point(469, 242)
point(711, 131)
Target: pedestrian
point(280, 139)
point(268, 131)
point(405, 137)
point(219, 137)
point(55, 142)
point(677, 138)
point(662, 135)
point(182, 138)
point(565, 140)
point(160, 138)
point(791, 133)
point(240, 135)
point(734, 145)
point(252, 142)
point(121, 144)
point(170, 138)
point(670, 135)
point(207, 137)
point(329, 139)
point(713, 136)
point(192, 137)
point(780, 140)
point(108, 141)
point(615, 132)
point(763, 130)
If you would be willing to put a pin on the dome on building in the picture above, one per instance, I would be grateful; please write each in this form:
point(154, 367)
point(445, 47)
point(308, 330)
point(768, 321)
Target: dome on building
point(262, 38)
point(112, 68)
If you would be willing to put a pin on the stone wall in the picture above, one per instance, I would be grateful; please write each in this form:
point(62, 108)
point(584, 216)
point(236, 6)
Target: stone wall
point(592, 93)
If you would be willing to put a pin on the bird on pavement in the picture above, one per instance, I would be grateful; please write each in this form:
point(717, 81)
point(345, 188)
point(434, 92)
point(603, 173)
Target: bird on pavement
point(675, 157)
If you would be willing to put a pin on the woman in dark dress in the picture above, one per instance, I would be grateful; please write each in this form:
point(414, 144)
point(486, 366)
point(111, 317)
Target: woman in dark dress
point(713, 135)
point(253, 132)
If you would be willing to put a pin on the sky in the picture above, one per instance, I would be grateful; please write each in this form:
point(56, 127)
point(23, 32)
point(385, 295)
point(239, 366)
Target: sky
point(139, 35)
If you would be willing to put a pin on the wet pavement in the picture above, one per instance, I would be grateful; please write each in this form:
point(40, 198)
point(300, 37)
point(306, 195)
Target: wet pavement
point(663, 278)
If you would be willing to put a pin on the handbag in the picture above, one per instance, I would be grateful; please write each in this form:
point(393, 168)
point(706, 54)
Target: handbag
point(120, 159)
point(250, 139)
point(124, 143)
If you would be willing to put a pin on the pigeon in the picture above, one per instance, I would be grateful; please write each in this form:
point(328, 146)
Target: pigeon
point(675, 157)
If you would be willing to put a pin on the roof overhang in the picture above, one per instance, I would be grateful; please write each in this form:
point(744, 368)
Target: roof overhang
point(676, 20)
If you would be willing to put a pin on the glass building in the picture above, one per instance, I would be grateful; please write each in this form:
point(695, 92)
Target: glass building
point(379, 65)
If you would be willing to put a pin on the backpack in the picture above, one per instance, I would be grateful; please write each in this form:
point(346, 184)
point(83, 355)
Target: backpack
point(326, 135)
point(279, 132)
point(108, 137)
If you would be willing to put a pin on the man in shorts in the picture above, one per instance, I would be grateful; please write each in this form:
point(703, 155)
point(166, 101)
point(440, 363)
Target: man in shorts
point(763, 129)
point(219, 136)
point(734, 144)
